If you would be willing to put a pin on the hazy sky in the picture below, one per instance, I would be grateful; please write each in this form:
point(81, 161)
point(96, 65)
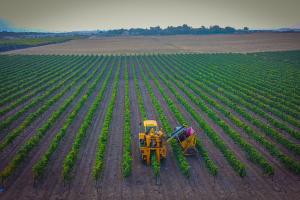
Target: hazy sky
point(67, 15)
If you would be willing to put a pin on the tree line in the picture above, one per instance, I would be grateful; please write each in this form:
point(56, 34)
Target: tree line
point(174, 30)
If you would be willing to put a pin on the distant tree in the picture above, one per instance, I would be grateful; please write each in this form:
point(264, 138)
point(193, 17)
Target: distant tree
point(155, 30)
point(215, 29)
point(229, 29)
point(246, 28)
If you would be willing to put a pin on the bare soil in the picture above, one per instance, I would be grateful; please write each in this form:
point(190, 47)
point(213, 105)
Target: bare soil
point(253, 42)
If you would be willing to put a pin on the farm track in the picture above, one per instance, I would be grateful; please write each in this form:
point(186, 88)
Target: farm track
point(162, 76)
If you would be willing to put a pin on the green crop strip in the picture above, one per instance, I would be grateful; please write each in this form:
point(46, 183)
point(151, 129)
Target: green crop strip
point(249, 99)
point(25, 149)
point(103, 137)
point(29, 119)
point(49, 82)
point(181, 160)
point(72, 156)
point(127, 158)
point(47, 75)
point(207, 87)
point(276, 108)
point(139, 95)
point(5, 123)
point(211, 166)
point(40, 167)
point(286, 161)
point(251, 152)
point(24, 72)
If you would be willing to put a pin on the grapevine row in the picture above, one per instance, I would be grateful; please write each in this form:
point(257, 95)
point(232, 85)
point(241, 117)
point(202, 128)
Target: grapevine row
point(103, 137)
point(32, 116)
point(25, 149)
point(127, 159)
point(267, 129)
point(289, 163)
point(40, 167)
point(72, 155)
point(212, 167)
point(181, 160)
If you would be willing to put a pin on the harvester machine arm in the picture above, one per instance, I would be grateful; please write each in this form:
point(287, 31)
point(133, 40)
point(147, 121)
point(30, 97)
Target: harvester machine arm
point(176, 133)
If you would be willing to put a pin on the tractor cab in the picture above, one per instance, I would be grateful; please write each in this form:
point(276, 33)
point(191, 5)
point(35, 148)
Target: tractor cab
point(150, 126)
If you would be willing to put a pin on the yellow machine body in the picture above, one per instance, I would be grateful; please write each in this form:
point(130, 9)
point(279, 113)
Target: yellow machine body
point(188, 145)
point(186, 139)
point(152, 141)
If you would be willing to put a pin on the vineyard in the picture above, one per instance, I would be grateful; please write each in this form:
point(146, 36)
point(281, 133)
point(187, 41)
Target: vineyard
point(69, 125)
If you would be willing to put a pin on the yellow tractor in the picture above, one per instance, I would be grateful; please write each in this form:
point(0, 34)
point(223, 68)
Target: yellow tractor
point(153, 141)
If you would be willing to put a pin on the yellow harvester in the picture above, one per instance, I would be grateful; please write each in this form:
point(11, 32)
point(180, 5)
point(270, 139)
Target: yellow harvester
point(153, 141)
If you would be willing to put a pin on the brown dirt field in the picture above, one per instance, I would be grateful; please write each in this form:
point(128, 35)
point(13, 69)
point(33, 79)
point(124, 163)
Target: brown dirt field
point(253, 42)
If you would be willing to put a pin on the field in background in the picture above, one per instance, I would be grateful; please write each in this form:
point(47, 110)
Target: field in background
point(21, 43)
point(254, 42)
point(64, 125)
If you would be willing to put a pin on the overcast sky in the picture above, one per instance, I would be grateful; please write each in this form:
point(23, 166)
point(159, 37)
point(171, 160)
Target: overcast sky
point(68, 15)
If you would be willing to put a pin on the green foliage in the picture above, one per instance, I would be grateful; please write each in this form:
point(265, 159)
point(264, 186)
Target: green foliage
point(189, 82)
point(40, 167)
point(155, 165)
point(33, 116)
point(229, 155)
point(211, 166)
point(181, 160)
point(33, 87)
point(71, 157)
point(34, 140)
point(139, 95)
point(127, 159)
point(103, 137)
